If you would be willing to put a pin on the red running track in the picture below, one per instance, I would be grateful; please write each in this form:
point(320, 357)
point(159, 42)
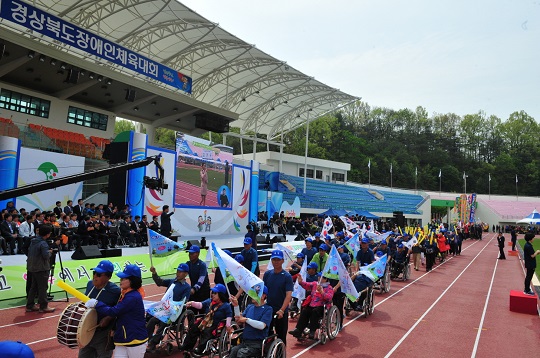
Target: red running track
point(460, 309)
point(190, 195)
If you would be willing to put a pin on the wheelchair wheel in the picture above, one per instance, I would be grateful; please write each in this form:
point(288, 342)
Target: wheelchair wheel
point(276, 349)
point(332, 324)
point(387, 281)
point(348, 307)
point(224, 343)
point(369, 307)
point(406, 272)
point(185, 321)
point(245, 301)
point(324, 338)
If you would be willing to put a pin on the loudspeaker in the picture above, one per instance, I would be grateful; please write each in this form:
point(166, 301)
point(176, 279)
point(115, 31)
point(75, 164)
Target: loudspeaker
point(130, 95)
point(400, 219)
point(86, 252)
point(73, 76)
point(111, 252)
point(191, 243)
point(261, 239)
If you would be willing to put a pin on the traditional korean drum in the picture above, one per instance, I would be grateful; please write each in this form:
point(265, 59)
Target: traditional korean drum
point(76, 325)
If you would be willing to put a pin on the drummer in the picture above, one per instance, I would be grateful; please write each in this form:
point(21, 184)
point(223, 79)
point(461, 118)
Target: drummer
point(101, 288)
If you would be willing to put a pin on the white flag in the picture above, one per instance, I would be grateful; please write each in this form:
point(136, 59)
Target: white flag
point(516, 178)
point(416, 171)
point(369, 164)
point(440, 172)
point(166, 310)
point(298, 291)
point(349, 224)
point(326, 226)
point(390, 167)
point(464, 176)
point(409, 244)
point(489, 175)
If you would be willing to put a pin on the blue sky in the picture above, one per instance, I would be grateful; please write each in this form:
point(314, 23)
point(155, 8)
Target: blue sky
point(447, 56)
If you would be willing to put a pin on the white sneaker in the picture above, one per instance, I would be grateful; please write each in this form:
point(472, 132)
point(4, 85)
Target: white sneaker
point(530, 293)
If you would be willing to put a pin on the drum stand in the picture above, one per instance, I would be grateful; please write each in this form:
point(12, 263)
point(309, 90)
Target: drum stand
point(50, 296)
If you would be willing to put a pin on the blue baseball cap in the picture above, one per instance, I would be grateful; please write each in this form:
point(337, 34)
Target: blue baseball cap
point(219, 288)
point(104, 266)
point(194, 248)
point(300, 255)
point(365, 240)
point(265, 290)
point(340, 233)
point(384, 242)
point(277, 254)
point(341, 247)
point(380, 253)
point(130, 271)
point(312, 265)
point(228, 253)
point(317, 234)
point(239, 258)
point(323, 247)
point(328, 237)
point(400, 246)
point(12, 349)
point(183, 268)
point(248, 241)
point(308, 239)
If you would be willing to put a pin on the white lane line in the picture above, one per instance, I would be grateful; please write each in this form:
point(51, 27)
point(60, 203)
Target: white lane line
point(41, 340)
point(434, 303)
point(484, 312)
point(387, 298)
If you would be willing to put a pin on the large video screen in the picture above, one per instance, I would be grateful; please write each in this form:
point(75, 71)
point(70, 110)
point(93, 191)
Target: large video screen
point(203, 173)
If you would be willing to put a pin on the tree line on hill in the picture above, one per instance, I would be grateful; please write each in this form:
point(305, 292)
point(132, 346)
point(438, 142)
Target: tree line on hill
point(419, 146)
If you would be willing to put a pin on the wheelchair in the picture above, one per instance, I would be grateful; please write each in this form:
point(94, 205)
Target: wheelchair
point(272, 346)
point(400, 271)
point(368, 305)
point(329, 326)
point(219, 346)
point(383, 284)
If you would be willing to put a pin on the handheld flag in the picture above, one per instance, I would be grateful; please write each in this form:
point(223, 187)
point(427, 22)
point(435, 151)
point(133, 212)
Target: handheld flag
point(369, 164)
point(353, 245)
point(166, 310)
point(349, 224)
point(375, 270)
point(160, 245)
point(327, 226)
point(335, 269)
point(440, 172)
point(298, 291)
point(409, 244)
point(250, 283)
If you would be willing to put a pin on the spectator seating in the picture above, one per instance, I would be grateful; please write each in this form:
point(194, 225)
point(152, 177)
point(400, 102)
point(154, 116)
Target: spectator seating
point(8, 128)
point(323, 195)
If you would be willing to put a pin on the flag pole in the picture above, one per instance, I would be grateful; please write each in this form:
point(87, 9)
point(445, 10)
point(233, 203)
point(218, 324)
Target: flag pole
point(149, 246)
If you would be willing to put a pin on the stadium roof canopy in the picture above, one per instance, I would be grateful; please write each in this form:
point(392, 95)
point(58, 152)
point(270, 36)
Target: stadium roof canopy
point(230, 77)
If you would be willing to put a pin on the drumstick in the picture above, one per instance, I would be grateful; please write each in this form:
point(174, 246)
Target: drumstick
point(64, 286)
point(92, 328)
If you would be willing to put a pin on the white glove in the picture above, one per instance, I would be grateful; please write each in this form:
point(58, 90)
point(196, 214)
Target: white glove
point(91, 303)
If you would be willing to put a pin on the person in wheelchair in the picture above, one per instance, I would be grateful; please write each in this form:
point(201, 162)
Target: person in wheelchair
point(399, 261)
point(256, 319)
point(311, 276)
point(312, 311)
point(217, 309)
point(181, 291)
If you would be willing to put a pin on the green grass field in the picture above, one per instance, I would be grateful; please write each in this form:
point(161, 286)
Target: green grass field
point(536, 246)
point(192, 176)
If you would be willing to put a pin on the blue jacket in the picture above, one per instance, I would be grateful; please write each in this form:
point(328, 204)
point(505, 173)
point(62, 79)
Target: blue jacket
point(131, 324)
point(181, 290)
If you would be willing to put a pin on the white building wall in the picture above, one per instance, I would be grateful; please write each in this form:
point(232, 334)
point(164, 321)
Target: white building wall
point(57, 114)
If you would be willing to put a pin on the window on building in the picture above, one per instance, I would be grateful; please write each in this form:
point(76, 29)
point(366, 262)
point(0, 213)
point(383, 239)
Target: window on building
point(18, 102)
point(310, 173)
point(338, 177)
point(318, 174)
point(85, 118)
point(301, 172)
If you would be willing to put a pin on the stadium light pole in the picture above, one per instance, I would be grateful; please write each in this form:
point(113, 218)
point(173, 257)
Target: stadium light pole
point(306, 153)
